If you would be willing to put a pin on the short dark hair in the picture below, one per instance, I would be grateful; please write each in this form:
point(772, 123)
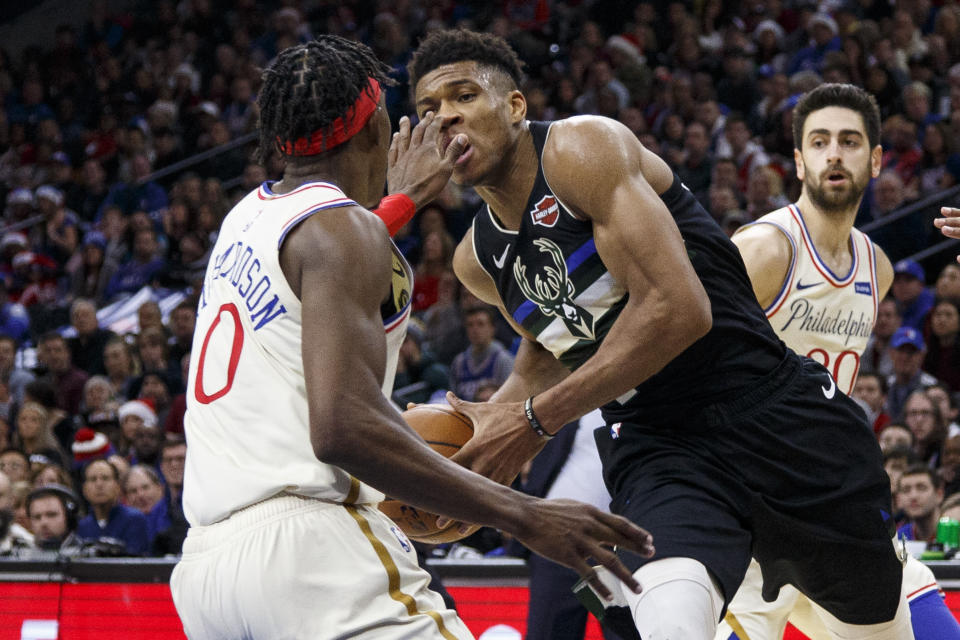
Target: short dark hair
point(459, 45)
point(113, 468)
point(847, 96)
point(879, 378)
point(919, 469)
point(310, 85)
point(901, 452)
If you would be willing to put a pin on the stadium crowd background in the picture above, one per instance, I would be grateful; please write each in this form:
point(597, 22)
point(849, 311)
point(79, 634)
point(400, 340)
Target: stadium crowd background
point(105, 203)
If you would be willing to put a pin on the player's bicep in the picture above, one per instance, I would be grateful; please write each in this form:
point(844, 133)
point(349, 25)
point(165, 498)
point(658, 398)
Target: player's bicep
point(884, 273)
point(767, 255)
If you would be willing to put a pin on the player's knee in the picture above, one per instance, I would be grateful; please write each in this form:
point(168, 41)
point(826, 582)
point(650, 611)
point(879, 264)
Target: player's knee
point(679, 600)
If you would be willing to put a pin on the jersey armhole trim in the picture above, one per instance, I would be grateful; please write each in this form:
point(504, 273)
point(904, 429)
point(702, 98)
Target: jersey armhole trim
point(563, 205)
point(787, 283)
point(289, 225)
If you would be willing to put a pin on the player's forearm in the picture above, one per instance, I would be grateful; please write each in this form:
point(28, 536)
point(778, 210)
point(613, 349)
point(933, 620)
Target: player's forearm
point(372, 443)
point(643, 340)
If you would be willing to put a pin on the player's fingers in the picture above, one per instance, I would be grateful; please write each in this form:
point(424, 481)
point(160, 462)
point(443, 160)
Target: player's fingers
point(629, 535)
point(403, 135)
point(460, 405)
point(431, 133)
point(589, 574)
point(456, 148)
point(394, 151)
point(411, 405)
point(609, 560)
point(416, 136)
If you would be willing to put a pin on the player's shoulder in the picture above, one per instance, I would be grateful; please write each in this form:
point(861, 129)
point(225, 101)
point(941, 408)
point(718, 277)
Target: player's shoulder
point(587, 133)
point(766, 242)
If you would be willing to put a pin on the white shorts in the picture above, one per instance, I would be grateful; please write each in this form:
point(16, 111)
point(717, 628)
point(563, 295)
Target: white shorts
point(752, 618)
point(293, 567)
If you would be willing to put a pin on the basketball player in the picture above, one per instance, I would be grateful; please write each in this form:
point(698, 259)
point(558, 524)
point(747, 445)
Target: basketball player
point(819, 281)
point(291, 434)
point(629, 296)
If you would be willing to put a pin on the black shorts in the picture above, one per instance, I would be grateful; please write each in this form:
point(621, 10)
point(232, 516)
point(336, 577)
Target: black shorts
point(781, 472)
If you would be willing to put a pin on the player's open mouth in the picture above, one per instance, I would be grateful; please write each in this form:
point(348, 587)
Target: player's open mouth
point(836, 177)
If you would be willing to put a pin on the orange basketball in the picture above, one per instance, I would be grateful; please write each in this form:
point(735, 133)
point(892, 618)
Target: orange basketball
point(445, 430)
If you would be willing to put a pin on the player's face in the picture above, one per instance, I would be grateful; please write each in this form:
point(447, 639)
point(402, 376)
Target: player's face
point(481, 104)
point(836, 162)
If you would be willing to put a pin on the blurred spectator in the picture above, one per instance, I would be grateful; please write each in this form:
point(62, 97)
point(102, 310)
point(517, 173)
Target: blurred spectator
point(16, 464)
point(907, 350)
point(53, 511)
point(16, 378)
point(939, 167)
point(107, 517)
point(922, 416)
point(747, 154)
point(485, 360)
point(904, 153)
point(89, 445)
point(52, 474)
point(121, 366)
point(919, 494)
point(946, 401)
point(86, 197)
point(90, 275)
point(876, 357)
point(764, 192)
point(183, 319)
point(142, 266)
point(697, 164)
point(435, 260)
point(137, 194)
point(948, 282)
point(14, 319)
point(143, 490)
point(914, 299)
point(43, 392)
point(133, 415)
point(737, 88)
point(895, 436)
point(870, 390)
point(60, 233)
point(53, 355)
point(13, 537)
point(172, 459)
point(824, 37)
point(146, 446)
point(419, 375)
point(34, 435)
point(943, 349)
point(444, 334)
point(86, 348)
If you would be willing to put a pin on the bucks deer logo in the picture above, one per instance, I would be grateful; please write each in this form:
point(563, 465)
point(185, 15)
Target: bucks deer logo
point(552, 291)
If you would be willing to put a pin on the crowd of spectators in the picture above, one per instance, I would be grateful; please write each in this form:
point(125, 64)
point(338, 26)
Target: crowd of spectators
point(92, 122)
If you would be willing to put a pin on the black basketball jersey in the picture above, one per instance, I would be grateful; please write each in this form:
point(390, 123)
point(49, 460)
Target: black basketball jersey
point(553, 282)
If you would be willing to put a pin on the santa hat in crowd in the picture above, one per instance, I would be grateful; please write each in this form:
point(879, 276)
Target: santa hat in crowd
point(143, 408)
point(90, 445)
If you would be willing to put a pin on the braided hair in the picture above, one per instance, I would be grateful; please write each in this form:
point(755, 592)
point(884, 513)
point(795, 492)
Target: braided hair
point(310, 85)
point(458, 45)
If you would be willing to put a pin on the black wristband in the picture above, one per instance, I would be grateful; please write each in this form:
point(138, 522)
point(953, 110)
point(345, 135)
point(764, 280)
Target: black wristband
point(532, 419)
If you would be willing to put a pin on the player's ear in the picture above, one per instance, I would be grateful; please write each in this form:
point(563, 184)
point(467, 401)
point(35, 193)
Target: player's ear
point(798, 161)
point(518, 106)
point(876, 161)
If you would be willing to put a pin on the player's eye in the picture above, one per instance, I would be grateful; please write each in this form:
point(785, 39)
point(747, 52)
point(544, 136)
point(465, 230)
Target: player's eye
point(466, 97)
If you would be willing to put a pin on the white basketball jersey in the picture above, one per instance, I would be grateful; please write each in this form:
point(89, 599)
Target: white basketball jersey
point(818, 313)
point(247, 425)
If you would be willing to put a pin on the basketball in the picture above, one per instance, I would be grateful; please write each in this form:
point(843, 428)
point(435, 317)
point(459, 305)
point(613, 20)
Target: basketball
point(445, 430)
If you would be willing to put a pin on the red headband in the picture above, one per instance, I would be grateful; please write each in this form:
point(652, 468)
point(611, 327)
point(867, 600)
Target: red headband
point(339, 131)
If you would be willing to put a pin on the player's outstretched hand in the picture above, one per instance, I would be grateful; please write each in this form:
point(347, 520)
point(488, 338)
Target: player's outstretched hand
point(579, 536)
point(421, 160)
point(949, 224)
